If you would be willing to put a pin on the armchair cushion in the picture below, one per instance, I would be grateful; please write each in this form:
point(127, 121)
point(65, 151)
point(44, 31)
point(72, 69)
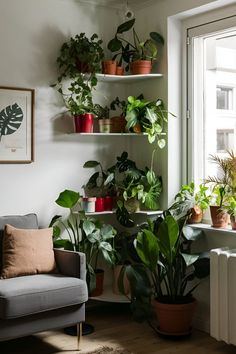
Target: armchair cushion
point(28, 295)
point(28, 221)
point(27, 251)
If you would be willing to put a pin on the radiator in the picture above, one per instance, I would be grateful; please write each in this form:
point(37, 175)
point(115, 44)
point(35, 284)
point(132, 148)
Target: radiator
point(223, 294)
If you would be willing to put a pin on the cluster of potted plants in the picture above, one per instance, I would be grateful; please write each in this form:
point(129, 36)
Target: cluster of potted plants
point(129, 187)
point(76, 231)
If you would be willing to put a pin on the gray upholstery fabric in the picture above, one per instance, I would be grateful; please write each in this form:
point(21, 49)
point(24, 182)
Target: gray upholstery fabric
point(28, 221)
point(71, 263)
point(32, 294)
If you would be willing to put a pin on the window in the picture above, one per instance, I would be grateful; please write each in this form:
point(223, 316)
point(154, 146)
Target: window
point(224, 98)
point(224, 140)
point(211, 101)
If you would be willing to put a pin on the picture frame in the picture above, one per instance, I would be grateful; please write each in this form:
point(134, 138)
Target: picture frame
point(16, 125)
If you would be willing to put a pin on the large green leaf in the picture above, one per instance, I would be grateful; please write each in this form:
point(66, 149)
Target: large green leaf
point(88, 227)
point(68, 199)
point(168, 235)
point(147, 249)
point(114, 45)
point(107, 232)
point(11, 118)
point(126, 26)
point(157, 37)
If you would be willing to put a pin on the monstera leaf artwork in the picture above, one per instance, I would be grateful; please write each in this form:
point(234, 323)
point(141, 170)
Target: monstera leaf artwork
point(11, 118)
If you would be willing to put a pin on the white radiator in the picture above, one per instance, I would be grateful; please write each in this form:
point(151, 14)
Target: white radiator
point(223, 294)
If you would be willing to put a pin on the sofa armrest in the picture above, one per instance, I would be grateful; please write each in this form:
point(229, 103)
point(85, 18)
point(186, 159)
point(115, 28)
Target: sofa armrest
point(71, 263)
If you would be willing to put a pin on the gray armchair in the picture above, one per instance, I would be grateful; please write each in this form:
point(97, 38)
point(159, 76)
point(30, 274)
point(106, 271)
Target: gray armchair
point(35, 303)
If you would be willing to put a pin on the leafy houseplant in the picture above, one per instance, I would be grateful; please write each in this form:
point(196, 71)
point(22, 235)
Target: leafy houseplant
point(102, 114)
point(149, 117)
point(118, 122)
point(192, 200)
point(137, 50)
point(161, 276)
point(77, 57)
point(222, 185)
point(84, 234)
point(230, 208)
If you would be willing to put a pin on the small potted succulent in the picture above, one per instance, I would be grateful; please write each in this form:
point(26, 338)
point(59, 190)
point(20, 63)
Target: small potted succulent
point(139, 55)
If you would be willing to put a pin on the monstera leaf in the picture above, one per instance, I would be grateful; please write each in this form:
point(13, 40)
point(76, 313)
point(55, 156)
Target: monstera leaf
point(10, 119)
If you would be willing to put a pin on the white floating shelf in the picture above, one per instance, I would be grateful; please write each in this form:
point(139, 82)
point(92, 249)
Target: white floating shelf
point(109, 296)
point(110, 134)
point(142, 212)
point(126, 78)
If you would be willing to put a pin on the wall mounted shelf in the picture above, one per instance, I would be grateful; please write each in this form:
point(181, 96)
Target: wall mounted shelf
point(126, 78)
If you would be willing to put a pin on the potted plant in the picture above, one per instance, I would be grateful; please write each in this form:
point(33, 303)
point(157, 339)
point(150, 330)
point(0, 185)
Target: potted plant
point(160, 279)
point(149, 117)
point(230, 208)
point(223, 184)
point(84, 234)
point(102, 114)
point(118, 122)
point(138, 54)
point(79, 59)
point(101, 186)
point(193, 201)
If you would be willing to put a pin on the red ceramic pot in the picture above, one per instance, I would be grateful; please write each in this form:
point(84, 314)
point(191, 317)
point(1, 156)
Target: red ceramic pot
point(83, 123)
point(108, 203)
point(99, 204)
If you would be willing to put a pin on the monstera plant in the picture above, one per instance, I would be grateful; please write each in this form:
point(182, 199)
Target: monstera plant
point(11, 118)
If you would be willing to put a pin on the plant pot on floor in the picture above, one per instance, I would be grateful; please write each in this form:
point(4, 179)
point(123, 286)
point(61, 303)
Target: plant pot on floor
point(99, 283)
point(175, 319)
point(83, 123)
point(219, 217)
point(141, 67)
point(109, 67)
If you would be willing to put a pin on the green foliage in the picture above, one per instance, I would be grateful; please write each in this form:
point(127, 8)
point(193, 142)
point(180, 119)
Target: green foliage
point(190, 196)
point(84, 234)
point(101, 112)
point(137, 49)
point(150, 115)
point(166, 265)
point(117, 103)
point(230, 205)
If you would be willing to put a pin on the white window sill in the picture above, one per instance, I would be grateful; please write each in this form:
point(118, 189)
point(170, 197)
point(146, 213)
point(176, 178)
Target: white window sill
point(215, 229)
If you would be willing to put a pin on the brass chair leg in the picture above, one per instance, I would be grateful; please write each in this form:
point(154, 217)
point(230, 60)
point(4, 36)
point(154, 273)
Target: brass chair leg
point(79, 334)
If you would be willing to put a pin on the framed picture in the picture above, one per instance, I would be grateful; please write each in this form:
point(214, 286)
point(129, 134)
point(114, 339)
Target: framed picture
point(16, 125)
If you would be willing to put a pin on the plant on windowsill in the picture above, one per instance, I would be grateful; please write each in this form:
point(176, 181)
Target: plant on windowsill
point(230, 208)
point(193, 201)
point(223, 185)
point(84, 234)
point(139, 55)
point(161, 278)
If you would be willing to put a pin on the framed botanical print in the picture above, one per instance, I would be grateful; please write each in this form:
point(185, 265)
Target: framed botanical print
point(16, 125)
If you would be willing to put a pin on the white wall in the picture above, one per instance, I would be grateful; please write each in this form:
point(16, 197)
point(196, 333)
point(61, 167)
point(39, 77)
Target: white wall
point(31, 34)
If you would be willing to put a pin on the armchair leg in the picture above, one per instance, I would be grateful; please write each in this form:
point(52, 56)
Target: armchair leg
point(79, 334)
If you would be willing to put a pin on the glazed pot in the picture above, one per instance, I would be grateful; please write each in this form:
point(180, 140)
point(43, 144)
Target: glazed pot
point(89, 204)
point(175, 319)
point(219, 217)
point(83, 123)
point(141, 67)
point(99, 204)
point(104, 125)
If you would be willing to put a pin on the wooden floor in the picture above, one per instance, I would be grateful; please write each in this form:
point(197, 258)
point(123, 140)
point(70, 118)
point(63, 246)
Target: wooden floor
point(114, 327)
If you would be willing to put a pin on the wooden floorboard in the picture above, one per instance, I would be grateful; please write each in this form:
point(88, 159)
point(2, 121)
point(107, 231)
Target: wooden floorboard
point(114, 327)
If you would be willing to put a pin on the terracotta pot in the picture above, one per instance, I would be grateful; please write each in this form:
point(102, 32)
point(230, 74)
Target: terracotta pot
point(83, 123)
point(175, 319)
point(233, 222)
point(109, 67)
point(118, 124)
point(104, 125)
point(141, 67)
point(126, 285)
point(120, 70)
point(196, 215)
point(99, 283)
point(219, 218)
